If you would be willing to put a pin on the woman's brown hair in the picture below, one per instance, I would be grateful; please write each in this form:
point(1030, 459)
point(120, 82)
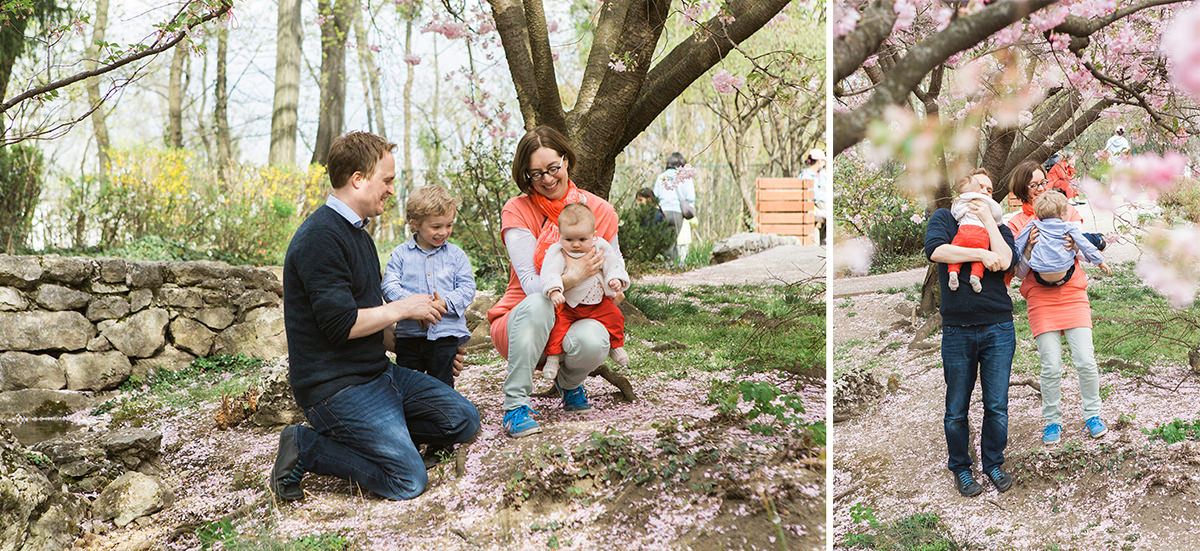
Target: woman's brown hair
point(1020, 178)
point(540, 136)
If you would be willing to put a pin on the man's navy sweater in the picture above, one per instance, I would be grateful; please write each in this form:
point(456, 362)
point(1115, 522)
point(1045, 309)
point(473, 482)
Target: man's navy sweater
point(330, 271)
point(965, 306)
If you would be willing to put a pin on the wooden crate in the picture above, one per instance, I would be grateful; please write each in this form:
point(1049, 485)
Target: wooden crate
point(785, 207)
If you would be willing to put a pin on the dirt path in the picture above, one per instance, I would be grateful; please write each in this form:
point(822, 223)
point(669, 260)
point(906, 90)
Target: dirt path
point(775, 266)
point(1121, 491)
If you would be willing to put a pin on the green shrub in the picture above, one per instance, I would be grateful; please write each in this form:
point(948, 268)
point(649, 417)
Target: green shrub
point(644, 239)
point(20, 184)
point(870, 204)
point(484, 184)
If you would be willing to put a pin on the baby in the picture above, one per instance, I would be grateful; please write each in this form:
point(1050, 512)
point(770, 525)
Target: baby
point(1053, 264)
point(592, 298)
point(971, 232)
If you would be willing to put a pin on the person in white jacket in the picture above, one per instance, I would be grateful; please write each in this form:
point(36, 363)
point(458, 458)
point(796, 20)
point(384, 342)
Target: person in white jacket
point(590, 299)
point(971, 232)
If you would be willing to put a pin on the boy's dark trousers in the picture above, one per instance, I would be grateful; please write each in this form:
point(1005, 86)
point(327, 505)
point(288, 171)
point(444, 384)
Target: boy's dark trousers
point(435, 358)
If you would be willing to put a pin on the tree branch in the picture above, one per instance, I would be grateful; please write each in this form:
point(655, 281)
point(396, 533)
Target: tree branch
point(853, 49)
point(608, 31)
point(154, 50)
point(549, 106)
point(510, 23)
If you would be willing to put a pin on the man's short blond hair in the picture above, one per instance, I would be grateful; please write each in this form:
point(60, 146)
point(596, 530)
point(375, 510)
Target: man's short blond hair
point(576, 213)
point(427, 201)
point(1050, 204)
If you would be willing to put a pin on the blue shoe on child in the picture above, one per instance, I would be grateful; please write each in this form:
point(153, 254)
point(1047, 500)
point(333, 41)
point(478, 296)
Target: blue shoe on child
point(574, 399)
point(519, 422)
point(1096, 427)
point(1051, 434)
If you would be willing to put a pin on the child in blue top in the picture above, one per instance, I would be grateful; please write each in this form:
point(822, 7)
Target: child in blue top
point(1053, 264)
point(428, 264)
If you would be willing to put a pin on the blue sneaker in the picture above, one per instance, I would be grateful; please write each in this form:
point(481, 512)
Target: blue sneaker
point(966, 484)
point(518, 422)
point(1096, 427)
point(1051, 434)
point(574, 399)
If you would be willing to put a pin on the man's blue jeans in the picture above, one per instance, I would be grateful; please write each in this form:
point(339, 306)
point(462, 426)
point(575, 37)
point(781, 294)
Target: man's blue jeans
point(985, 351)
point(368, 434)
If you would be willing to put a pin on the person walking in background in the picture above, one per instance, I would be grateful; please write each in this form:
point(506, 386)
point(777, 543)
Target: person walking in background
point(1062, 176)
point(978, 341)
point(674, 188)
point(814, 169)
point(1117, 145)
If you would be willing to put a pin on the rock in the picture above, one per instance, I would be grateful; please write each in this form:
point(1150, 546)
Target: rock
point(112, 270)
point(102, 288)
point(144, 274)
point(35, 514)
point(254, 299)
point(131, 496)
point(215, 318)
point(20, 370)
point(260, 335)
point(31, 331)
point(76, 454)
point(186, 274)
point(99, 344)
point(108, 307)
point(137, 449)
point(170, 359)
point(905, 309)
point(255, 278)
point(139, 299)
point(95, 370)
point(37, 402)
point(745, 244)
point(180, 298)
point(11, 300)
point(72, 270)
point(56, 297)
point(481, 339)
point(230, 287)
point(477, 312)
point(276, 405)
point(632, 314)
point(140, 335)
point(19, 271)
point(191, 336)
point(853, 392)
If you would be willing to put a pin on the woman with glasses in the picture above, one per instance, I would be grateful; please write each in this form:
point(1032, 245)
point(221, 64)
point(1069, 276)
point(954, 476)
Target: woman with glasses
point(1055, 312)
point(522, 319)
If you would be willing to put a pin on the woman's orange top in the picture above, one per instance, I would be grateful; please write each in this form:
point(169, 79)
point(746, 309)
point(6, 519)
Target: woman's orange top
point(1055, 308)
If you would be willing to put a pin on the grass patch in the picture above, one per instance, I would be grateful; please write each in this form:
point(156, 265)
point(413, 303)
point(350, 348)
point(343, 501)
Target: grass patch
point(224, 534)
point(915, 532)
point(886, 264)
point(1134, 324)
point(204, 380)
point(1175, 431)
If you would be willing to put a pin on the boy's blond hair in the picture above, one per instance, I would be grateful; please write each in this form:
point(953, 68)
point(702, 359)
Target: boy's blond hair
point(576, 213)
point(427, 201)
point(1050, 204)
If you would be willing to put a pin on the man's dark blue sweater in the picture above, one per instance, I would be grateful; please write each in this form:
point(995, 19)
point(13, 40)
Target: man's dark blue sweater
point(965, 306)
point(330, 271)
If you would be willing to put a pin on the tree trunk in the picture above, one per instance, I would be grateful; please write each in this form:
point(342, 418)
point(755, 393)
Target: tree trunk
point(285, 114)
point(220, 109)
point(407, 181)
point(174, 136)
point(99, 122)
point(334, 28)
point(366, 60)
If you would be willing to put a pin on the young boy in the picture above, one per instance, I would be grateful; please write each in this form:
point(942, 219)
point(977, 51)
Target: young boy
point(1052, 264)
point(970, 229)
point(428, 264)
point(590, 299)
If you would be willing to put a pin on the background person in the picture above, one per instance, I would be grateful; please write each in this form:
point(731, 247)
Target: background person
point(522, 319)
point(673, 186)
point(814, 169)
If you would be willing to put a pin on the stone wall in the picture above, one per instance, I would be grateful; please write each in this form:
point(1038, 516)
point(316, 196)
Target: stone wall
point(80, 323)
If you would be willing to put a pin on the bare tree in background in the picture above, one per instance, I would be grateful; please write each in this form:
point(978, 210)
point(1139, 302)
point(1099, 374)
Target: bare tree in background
point(99, 123)
point(221, 108)
point(335, 25)
point(285, 114)
point(175, 91)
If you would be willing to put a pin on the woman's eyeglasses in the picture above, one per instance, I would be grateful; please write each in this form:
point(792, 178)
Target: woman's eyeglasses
point(537, 175)
point(1038, 184)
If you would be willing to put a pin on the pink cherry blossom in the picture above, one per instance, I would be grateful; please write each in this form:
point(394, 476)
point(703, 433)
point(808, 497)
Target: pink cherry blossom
point(1182, 49)
point(854, 256)
point(412, 59)
point(617, 64)
point(845, 20)
point(726, 83)
point(906, 12)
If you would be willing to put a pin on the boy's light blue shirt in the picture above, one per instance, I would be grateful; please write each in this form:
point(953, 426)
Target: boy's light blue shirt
point(446, 270)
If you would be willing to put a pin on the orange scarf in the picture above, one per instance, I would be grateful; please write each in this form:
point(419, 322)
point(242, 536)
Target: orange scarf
point(551, 209)
point(1027, 208)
